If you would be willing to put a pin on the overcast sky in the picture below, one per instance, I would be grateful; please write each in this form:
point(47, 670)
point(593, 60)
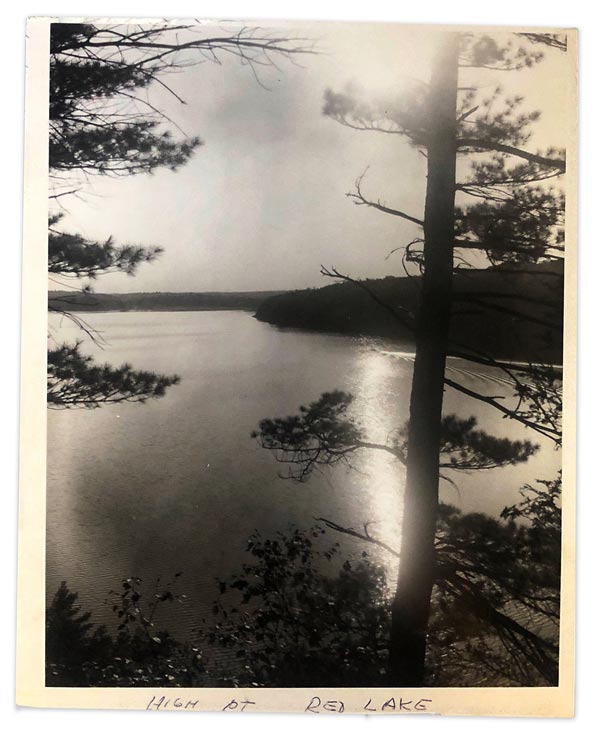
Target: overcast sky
point(262, 203)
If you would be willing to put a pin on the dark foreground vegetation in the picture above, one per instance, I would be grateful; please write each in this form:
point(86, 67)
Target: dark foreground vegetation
point(298, 615)
point(509, 315)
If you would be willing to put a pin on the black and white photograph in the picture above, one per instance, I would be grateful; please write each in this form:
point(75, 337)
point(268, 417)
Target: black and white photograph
point(305, 345)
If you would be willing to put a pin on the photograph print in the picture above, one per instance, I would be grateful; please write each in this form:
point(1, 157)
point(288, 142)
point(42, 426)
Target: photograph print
point(306, 297)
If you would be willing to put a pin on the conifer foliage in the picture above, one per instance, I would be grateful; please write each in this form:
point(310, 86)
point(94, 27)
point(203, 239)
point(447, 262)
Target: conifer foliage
point(490, 197)
point(103, 122)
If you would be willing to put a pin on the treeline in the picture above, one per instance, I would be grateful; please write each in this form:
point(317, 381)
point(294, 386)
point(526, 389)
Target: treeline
point(156, 301)
point(499, 311)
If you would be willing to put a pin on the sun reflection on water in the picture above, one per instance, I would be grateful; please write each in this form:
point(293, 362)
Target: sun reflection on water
point(381, 408)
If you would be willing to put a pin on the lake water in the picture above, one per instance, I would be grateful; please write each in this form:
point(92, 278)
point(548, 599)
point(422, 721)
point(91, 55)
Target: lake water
point(178, 484)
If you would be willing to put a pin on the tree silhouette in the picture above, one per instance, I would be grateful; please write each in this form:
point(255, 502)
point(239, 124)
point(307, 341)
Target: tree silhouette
point(79, 653)
point(101, 118)
point(323, 434)
point(102, 122)
point(488, 577)
point(72, 639)
point(509, 213)
point(75, 380)
point(297, 615)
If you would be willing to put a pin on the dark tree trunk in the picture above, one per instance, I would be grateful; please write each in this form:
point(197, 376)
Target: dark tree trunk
point(410, 610)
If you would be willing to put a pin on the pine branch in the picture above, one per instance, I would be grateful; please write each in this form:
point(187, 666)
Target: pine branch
point(491, 145)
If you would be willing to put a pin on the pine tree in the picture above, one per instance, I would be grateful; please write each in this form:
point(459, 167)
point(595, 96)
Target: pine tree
point(508, 212)
point(101, 124)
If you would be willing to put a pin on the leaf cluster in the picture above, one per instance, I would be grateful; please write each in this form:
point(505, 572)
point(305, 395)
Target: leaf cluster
point(301, 620)
point(323, 434)
point(482, 51)
point(80, 654)
point(74, 380)
point(98, 122)
point(525, 226)
point(496, 604)
point(70, 254)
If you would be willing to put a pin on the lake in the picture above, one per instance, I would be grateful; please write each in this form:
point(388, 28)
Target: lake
point(178, 484)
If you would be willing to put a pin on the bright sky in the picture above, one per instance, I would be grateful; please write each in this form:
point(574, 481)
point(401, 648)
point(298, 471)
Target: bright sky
point(262, 203)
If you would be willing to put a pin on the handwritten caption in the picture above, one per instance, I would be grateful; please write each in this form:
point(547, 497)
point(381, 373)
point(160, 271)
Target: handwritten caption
point(315, 704)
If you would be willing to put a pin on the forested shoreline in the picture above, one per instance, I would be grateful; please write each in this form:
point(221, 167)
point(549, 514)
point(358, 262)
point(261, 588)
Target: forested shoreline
point(160, 301)
point(494, 321)
point(366, 308)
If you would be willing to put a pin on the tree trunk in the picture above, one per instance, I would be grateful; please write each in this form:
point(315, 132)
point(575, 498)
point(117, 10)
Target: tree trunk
point(410, 609)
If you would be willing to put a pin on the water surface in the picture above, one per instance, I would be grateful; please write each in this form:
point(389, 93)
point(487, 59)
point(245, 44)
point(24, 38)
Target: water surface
point(178, 484)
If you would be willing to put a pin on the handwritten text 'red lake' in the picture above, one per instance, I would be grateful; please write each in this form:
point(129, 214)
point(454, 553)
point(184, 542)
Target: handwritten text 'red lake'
point(315, 704)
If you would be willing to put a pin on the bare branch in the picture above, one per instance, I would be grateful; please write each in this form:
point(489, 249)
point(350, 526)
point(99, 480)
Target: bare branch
point(400, 314)
point(548, 432)
point(364, 536)
point(359, 199)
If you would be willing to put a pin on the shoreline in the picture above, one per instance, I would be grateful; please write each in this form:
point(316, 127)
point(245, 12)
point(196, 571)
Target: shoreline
point(501, 361)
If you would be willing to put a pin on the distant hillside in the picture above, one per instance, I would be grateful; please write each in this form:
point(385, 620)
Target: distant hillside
point(500, 330)
point(157, 301)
